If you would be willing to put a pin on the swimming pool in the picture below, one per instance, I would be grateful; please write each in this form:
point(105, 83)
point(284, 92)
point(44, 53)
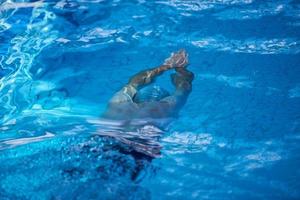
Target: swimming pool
point(237, 137)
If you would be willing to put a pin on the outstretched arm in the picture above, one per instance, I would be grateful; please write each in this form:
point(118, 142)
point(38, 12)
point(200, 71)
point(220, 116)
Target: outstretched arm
point(146, 77)
point(182, 80)
point(143, 78)
point(176, 60)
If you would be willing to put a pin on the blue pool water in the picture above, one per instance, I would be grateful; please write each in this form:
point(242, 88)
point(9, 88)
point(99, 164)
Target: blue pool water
point(237, 137)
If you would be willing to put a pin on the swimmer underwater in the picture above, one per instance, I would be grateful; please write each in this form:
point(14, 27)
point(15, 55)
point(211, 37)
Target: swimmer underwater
point(134, 114)
point(136, 101)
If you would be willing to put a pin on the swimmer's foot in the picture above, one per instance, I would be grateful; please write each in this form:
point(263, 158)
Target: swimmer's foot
point(177, 59)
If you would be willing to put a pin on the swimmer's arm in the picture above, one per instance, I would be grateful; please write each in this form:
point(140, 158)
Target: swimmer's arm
point(142, 78)
point(182, 80)
point(146, 77)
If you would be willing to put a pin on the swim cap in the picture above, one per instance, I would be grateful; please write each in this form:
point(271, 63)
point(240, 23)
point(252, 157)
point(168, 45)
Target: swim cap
point(150, 94)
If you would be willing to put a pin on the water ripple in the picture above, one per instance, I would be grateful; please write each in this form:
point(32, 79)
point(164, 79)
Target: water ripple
point(256, 11)
point(194, 5)
point(14, 88)
point(232, 81)
point(257, 46)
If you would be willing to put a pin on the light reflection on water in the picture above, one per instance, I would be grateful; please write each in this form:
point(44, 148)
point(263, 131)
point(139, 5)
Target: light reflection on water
point(237, 136)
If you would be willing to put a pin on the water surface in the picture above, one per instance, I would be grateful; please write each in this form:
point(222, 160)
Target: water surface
point(237, 137)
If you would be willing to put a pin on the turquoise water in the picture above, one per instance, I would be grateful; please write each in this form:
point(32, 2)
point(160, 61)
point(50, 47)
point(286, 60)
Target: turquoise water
point(237, 137)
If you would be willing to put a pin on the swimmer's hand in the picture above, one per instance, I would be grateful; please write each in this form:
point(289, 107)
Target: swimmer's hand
point(177, 59)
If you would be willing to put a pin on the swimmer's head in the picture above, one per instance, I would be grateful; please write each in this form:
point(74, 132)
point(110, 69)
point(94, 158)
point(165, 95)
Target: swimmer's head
point(150, 94)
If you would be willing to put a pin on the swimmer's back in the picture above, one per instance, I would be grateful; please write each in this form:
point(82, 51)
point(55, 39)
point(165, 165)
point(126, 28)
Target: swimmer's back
point(130, 110)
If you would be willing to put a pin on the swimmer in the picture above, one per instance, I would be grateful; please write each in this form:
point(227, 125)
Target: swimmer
point(133, 110)
point(137, 100)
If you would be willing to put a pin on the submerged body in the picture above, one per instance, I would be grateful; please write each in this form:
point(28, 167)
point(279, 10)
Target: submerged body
point(129, 103)
point(136, 117)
